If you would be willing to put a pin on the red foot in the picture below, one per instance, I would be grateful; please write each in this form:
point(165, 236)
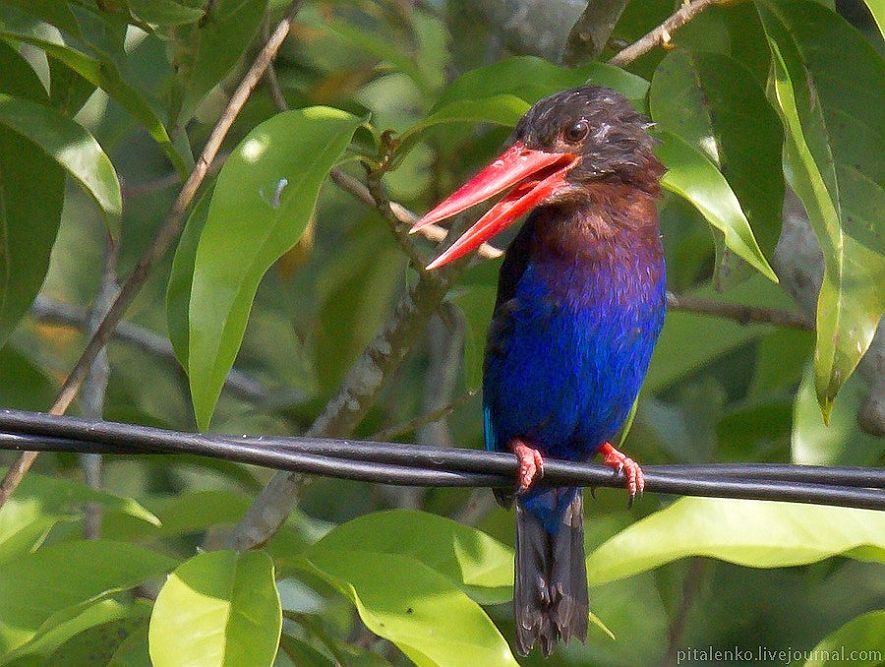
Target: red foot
point(531, 464)
point(619, 461)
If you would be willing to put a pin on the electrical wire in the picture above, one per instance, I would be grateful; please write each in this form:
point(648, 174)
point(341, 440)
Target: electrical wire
point(402, 464)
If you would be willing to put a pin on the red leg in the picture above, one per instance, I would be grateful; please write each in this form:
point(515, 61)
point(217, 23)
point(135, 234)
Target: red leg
point(531, 464)
point(619, 461)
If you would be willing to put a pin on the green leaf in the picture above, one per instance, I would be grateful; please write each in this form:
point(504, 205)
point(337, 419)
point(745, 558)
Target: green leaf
point(165, 12)
point(81, 635)
point(711, 337)
point(359, 286)
point(498, 109)
point(530, 78)
point(714, 104)
point(478, 564)
point(753, 533)
point(181, 277)
point(381, 48)
point(861, 640)
point(204, 52)
point(693, 176)
point(23, 384)
point(180, 515)
point(31, 197)
point(422, 612)
point(40, 502)
point(477, 303)
point(71, 146)
point(841, 442)
point(826, 84)
point(35, 586)
point(17, 26)
point(218, 608)
point(877, 10)
point(263, 199)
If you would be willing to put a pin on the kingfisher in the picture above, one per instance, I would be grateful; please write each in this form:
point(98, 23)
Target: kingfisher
point(580, 306)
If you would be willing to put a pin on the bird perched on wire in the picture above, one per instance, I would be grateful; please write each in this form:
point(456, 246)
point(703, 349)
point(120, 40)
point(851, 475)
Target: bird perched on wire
point(579, 309)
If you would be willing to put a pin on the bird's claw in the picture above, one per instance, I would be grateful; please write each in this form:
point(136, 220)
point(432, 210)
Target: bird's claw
point(531, 465)
point(620, 462)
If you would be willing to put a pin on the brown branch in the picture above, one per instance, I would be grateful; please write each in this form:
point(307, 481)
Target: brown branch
point(164, 239)
point(739, 312)
point(434, 233)
point(591, 31)
point(51, 312)
point(661, 34)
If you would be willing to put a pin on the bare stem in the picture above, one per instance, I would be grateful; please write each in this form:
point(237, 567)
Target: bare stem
point(739, 312)
point(661, 34)
point(162, 242)
point(95, 385)
point(238, 383)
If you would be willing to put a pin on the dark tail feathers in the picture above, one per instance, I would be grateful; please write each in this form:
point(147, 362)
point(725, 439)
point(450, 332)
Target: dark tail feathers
point(550, 587)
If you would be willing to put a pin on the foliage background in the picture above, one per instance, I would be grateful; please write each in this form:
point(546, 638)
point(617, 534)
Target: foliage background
point(399, 584)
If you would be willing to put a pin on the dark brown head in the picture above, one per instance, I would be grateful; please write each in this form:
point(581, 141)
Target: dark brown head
point(600, 126)
point(565, 147)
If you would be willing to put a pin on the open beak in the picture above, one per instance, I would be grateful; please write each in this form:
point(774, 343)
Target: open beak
point(533, 176)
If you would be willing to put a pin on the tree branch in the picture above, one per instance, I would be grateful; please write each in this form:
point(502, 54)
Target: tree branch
point(96, 383)
point(739, 312)
point(591, 31)
point(164, 239)
point(661, 34)
point(47, 311)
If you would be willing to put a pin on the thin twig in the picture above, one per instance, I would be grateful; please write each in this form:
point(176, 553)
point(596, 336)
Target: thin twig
point(163, 240)
point(96, 383)
point(739, 312)
point(238, 382)
point(661, 34)
point(691, 585)
point(412, 425)
point(270, 76)
point(435, 233)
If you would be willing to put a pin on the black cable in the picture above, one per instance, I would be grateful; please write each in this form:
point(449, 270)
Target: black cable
point(396, 463)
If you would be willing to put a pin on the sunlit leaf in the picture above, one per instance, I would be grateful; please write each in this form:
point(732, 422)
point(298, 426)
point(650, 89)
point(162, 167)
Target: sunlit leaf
point(826, 85)
point(754, 533)
point(261, 205)
point(37, 585)
point(40, 502)
point(861, 640)
point(841, 442)
point(15, 25)
point(401, 599)
point(218, 608)
point(714, 104)
point(72, 147)
point(691, 174)
point(473, 561)
point(81, 635)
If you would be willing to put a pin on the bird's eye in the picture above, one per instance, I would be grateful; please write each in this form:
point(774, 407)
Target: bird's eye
point(577, 132)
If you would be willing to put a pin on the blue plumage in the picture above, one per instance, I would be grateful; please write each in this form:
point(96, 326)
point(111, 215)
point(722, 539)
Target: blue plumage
point(570, 344)
point(580, 306)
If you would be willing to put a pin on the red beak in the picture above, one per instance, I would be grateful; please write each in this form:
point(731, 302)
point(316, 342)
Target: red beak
point(533, 176)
